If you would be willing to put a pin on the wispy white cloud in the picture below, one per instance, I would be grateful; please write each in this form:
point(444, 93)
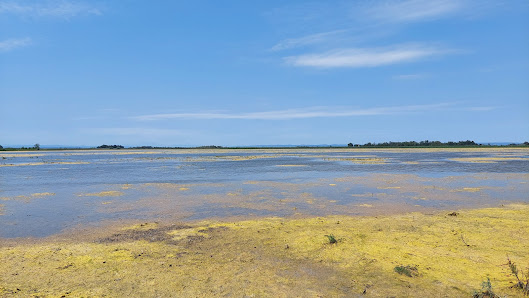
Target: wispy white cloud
point(137, 131)
point(58, 8)
point(306, 40)
point(312, 112)
point(366, 57)
point(481, 109)
point(376, 19)
point(14, 43)
point(413, 10)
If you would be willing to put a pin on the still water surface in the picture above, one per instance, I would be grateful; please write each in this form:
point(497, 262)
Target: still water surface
point(46, 192)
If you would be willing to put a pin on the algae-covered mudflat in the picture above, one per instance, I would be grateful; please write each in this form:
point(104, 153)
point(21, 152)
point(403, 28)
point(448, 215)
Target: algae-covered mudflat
point(259, 222)
point(451, 255)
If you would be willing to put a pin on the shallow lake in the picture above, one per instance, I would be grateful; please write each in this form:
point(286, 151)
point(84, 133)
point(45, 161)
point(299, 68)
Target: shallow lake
point(46, 192)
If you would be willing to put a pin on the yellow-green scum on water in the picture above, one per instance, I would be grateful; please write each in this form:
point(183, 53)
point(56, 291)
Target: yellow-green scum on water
point(453, 253)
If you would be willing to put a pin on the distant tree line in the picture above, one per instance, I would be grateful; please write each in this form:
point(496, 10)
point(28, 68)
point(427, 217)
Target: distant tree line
point(110, 147)
point(425, 143)
point(35, 147)
point(209, 147)
point(157, 147)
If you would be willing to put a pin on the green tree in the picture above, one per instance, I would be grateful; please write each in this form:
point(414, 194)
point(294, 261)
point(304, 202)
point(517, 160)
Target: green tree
point(37, 146)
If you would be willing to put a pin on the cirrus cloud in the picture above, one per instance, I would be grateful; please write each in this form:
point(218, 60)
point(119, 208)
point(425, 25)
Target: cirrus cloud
point(14, 43)
point(414, 10)
point(366, 57)
point(65, 9)
point(304, 113)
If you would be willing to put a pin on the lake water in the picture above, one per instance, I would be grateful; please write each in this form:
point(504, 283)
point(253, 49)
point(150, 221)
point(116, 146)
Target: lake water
point(46, 192)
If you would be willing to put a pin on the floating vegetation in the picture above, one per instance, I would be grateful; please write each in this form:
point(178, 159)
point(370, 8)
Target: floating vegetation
point(468, 189)
point(228, 157)
point(21, 154)
point(42, 194)
point(132, 152)
point(110, 193)
point(45, 163)
point(361, 160)
point(251, 182)
point(27, 198)
point(486, 159)
point(370, 195)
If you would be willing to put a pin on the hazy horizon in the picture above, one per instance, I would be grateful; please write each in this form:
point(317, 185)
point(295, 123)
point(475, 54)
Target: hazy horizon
point(65, 146)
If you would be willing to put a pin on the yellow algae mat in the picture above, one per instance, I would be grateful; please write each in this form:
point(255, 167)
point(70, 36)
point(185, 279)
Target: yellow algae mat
point(445, 255)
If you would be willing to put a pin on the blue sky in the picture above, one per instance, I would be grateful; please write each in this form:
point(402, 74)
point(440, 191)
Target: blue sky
point(185, 73)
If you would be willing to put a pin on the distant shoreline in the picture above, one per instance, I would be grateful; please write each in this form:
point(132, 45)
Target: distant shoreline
point(266, 147)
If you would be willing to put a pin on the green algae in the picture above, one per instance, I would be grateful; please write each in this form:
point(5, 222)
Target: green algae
point(278, 257)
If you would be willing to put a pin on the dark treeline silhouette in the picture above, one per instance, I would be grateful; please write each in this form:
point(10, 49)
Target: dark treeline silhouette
point(158, 147)
point(36, 147)
point(425, 143)
point(110, 147)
